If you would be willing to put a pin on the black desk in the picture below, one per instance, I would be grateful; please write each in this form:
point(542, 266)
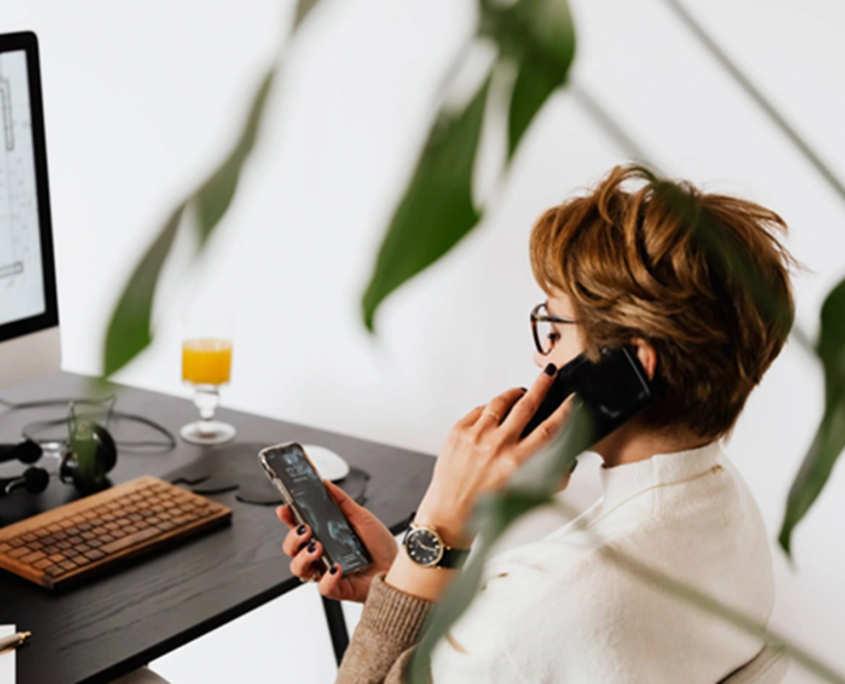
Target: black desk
point(113, 624)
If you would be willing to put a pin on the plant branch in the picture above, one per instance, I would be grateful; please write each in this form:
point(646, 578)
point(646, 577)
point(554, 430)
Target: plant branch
point(754, 93)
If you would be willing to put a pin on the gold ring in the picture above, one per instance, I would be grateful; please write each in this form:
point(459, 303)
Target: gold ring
point(492, 414)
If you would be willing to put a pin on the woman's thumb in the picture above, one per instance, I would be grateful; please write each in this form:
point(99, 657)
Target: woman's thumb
point(347, 505)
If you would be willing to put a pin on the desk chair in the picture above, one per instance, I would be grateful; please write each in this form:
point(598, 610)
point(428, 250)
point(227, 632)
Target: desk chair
point(767, 667)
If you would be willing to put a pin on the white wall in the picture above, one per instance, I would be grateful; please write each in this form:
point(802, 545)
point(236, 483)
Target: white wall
point(142, 97)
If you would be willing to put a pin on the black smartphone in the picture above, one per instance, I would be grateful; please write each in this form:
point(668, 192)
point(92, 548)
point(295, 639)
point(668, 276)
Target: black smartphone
point(614, 388)
point(292, 473)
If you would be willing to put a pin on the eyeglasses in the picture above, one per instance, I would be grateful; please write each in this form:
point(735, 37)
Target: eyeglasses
point(545, 335)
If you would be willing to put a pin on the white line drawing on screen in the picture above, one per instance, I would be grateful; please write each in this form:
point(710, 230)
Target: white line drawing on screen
point(21, 276)
point(6, 103)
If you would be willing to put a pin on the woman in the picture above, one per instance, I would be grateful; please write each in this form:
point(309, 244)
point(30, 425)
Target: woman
point(620, 266)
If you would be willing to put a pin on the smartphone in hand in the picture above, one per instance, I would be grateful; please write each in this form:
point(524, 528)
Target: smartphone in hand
point(614, 389)
point(292, 473)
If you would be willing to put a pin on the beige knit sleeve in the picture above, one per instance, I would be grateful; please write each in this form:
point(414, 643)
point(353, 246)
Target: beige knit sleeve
point(383, 643)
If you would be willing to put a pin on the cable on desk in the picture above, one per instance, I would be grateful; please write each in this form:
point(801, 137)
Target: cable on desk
point(30, 430)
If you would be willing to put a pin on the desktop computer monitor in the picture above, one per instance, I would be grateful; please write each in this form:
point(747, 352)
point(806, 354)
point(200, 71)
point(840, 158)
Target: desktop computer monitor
point(29, 316)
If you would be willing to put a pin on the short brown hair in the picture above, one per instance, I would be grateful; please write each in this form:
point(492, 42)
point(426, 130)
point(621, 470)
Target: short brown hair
point(701, 277)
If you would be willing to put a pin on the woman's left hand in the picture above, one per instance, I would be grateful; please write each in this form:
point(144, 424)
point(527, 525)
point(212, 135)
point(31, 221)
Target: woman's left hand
point(481, 452)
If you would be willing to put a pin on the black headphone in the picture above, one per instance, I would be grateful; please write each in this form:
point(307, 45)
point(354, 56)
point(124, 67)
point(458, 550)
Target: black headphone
point(90, 454)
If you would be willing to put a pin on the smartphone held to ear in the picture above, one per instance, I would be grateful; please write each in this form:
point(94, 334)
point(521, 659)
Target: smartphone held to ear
point(297, 480)
point(613, 389)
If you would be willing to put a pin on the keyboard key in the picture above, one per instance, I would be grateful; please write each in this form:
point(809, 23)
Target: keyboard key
point(130, 540)
point(30, 558)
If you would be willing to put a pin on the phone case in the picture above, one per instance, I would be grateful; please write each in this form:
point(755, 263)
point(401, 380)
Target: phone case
point(614, 389)
point(277, 482)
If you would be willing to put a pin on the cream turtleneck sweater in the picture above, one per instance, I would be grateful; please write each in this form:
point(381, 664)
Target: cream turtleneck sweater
point(560, 610)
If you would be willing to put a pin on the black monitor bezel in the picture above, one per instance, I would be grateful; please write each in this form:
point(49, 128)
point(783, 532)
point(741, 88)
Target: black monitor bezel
point(28, 42)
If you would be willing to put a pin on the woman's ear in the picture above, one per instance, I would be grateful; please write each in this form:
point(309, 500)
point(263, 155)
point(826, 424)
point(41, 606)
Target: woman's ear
point(647, 356)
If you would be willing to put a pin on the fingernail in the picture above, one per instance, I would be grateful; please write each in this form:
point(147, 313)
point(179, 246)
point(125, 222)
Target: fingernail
point(312, 547)
point(524, 389)
point(333, 571)
point(550, 370)
point(300, 530)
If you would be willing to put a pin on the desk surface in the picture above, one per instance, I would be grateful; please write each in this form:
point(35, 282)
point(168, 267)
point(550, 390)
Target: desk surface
point(113, 624)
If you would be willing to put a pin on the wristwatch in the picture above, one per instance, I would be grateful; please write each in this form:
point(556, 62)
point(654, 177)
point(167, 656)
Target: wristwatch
point(425, 547)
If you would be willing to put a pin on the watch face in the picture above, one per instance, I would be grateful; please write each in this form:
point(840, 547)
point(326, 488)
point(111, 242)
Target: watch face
point(424, 546)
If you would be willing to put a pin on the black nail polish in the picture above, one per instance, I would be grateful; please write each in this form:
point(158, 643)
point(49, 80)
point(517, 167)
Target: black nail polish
point(524, 389)
point(300, 530)
point(550, 370)
point(333, 571)
point(312, 547)
point(302, 546)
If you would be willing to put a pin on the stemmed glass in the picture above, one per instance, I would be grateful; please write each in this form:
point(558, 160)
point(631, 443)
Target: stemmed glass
point(207, 364)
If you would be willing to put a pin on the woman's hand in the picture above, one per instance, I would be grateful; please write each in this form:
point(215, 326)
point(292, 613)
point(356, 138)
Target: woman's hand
point(481, 453)
point(305, 552)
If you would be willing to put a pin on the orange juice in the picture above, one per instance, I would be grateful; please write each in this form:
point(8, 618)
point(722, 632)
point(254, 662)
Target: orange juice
point(206, 361)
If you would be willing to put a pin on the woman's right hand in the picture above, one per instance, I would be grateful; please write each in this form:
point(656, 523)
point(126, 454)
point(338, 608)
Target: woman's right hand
point(305, 552)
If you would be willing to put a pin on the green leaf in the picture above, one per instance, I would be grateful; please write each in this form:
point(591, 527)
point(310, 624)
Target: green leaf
point(437, 209)
point(829, 440)
point(215, 195)
point(538, 35)
point(129, 329)
point(530, 91)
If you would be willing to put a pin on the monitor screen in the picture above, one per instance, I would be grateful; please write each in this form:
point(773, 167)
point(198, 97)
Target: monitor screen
point(21, 278)
point(27, 280)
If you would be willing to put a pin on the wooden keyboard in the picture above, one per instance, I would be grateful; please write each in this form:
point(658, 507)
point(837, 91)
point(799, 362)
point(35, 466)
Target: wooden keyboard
point(88, 535)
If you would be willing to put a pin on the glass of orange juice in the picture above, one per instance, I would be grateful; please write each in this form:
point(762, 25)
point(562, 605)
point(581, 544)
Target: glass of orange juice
point(207, 364)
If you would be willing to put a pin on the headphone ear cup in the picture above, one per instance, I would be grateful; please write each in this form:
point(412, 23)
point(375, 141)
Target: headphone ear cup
point(109, 448)
point(92, 454)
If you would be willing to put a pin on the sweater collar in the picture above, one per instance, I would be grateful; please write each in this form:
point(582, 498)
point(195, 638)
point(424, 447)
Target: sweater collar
point(624, 481)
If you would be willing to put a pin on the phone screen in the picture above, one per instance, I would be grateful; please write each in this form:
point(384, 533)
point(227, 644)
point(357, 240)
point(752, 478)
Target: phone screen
point(316, 506)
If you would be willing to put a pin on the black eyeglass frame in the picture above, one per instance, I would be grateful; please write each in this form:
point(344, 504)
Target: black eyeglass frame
point(537, 317)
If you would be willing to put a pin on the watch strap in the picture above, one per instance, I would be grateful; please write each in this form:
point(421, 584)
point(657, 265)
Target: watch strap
point(453, 558)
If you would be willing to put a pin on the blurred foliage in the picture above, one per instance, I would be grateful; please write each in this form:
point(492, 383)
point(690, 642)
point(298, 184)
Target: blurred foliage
point(829, 440)
point(535, 38)
point(423, 230)
point(533, 486)
point(130, 330)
